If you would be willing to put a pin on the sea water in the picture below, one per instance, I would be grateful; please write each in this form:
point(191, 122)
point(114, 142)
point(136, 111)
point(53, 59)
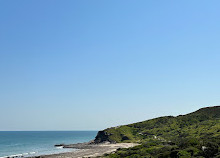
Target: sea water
point(33, 143)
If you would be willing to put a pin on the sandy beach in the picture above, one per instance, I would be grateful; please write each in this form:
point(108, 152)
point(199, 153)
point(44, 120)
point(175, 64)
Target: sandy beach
point(89, 150)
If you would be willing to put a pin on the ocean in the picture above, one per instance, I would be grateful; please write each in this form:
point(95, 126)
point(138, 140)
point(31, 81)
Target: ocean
point(34, 143)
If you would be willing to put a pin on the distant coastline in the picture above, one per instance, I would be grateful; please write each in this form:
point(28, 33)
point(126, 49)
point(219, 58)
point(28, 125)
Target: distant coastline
point(192, 135)
point(158, 133)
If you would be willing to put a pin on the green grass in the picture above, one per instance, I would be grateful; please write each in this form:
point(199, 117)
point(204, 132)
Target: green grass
point(181, 136)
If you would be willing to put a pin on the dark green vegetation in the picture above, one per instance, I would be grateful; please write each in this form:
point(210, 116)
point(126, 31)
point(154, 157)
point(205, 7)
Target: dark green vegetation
point(193, 135)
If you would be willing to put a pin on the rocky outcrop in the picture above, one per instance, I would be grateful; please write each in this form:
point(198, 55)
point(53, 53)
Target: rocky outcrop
point(102, 137)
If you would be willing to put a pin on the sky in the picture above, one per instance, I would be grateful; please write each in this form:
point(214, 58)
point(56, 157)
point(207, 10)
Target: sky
point(90, 65)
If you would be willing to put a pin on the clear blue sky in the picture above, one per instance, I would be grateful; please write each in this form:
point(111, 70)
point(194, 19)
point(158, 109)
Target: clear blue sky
point(89, 65)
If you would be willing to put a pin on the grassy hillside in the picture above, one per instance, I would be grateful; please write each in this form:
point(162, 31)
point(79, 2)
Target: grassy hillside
point(192, 135)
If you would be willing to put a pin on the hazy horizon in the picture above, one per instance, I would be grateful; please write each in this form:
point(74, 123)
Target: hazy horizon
point(88, 129)
point(90, 65)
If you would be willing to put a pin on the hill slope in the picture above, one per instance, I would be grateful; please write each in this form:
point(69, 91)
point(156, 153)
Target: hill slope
point(195, 130)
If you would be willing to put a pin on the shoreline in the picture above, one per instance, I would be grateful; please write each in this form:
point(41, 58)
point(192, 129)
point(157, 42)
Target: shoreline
point(88, 150)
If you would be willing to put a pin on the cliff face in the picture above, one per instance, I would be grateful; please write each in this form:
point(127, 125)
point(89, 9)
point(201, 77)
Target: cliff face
point(103, 136)
point(202, 123)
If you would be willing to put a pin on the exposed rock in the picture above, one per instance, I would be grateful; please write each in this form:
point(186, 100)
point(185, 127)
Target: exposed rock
point(124, 138)
point(103, 136)
point(58, 145)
